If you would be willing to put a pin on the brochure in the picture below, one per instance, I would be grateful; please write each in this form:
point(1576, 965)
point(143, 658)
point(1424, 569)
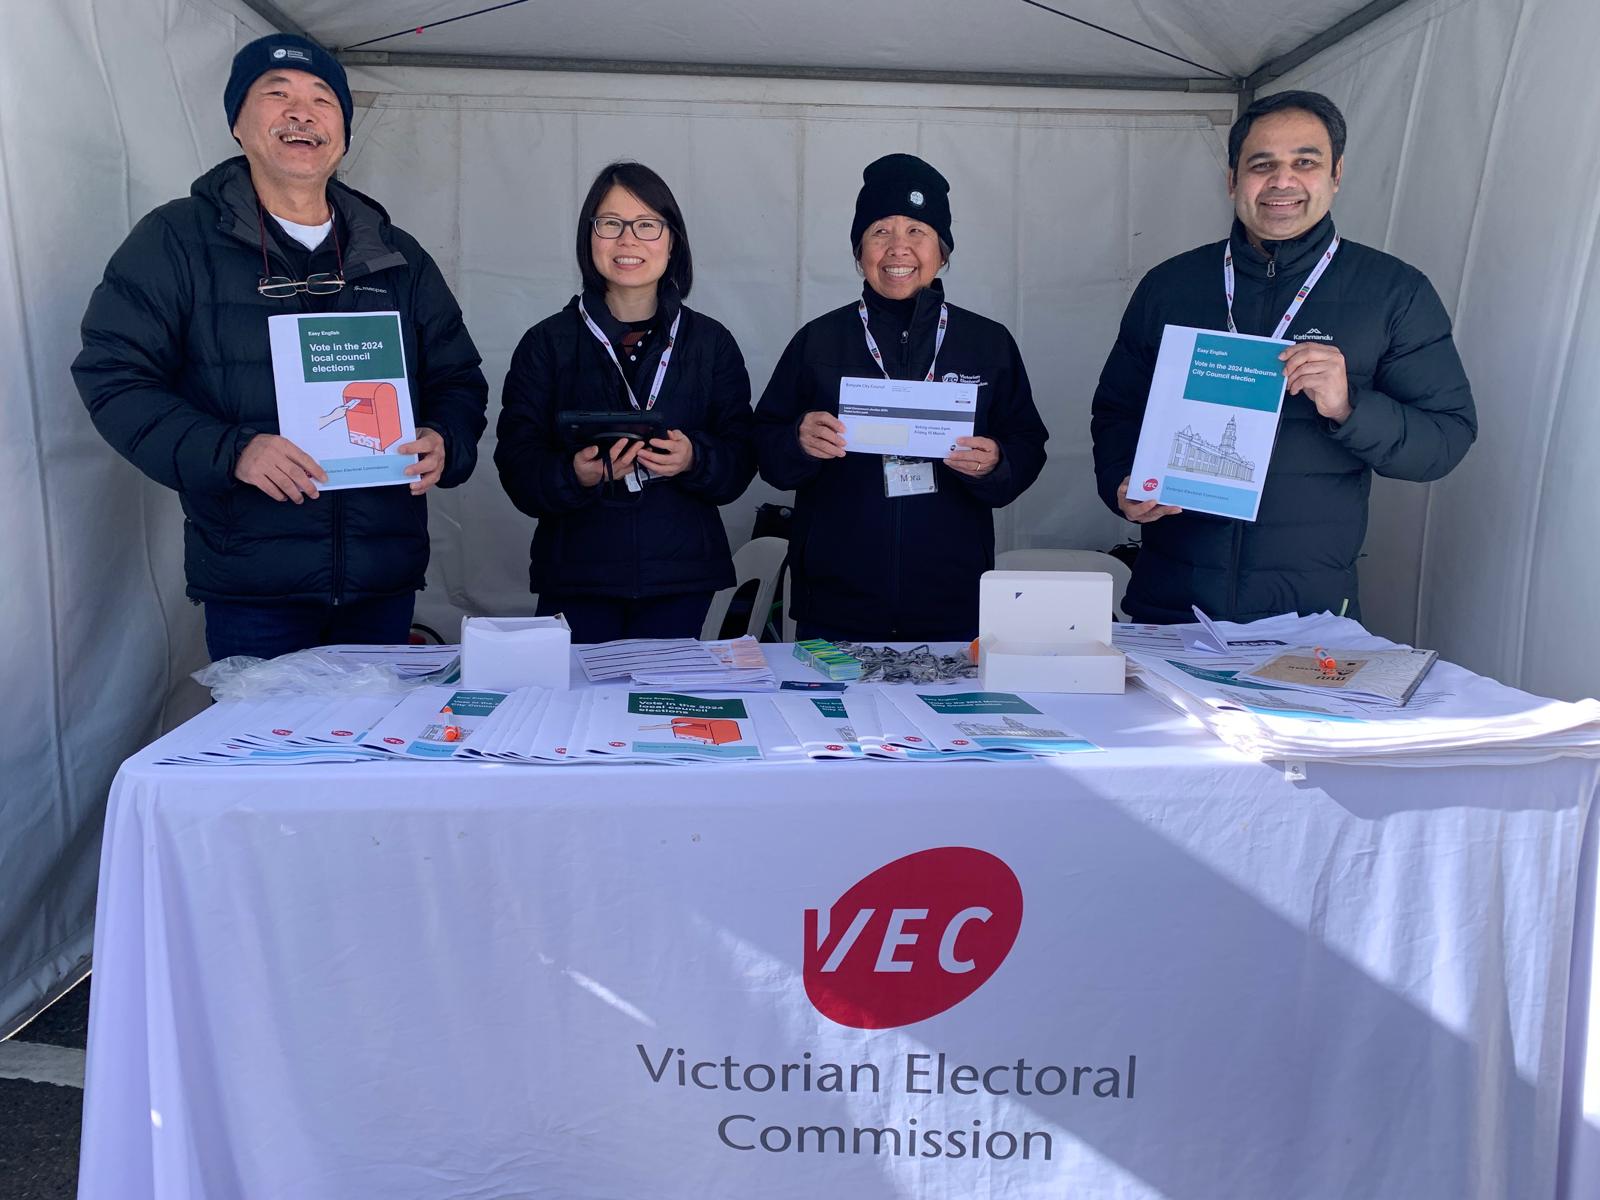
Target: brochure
point(1210, 423)
point(342, 394)
point(1371, 676)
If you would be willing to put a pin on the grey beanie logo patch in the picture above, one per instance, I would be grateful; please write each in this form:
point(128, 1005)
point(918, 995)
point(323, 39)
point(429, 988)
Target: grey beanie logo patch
point(915, 198)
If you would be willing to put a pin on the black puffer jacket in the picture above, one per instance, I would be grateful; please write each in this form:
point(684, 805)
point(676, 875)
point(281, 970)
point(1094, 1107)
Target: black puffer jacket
point(176, 371)
point(1413, 419)
point(607, 541)
point(905, 568)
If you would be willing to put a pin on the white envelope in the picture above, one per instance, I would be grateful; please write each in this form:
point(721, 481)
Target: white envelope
point(909, 417)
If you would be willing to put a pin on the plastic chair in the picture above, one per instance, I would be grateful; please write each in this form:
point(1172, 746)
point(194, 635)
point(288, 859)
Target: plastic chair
point(1071, 560)
point(788, 608)
point(759, 558)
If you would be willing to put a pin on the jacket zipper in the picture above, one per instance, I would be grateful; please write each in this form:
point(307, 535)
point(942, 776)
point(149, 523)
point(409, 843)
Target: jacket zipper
point(1272, 264)
point(338, 547)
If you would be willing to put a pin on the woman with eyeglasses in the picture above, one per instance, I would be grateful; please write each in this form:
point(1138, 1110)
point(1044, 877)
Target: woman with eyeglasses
point(889, 547)
point(625, 423)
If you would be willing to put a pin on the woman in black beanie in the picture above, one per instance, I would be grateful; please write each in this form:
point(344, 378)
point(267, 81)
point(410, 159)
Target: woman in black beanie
point(886, 548)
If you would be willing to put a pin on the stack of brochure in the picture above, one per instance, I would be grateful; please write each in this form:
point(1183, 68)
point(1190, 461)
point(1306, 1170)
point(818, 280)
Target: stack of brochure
point(732, 666)
point(915, 723)
point(632, 724)
point(1249, 686)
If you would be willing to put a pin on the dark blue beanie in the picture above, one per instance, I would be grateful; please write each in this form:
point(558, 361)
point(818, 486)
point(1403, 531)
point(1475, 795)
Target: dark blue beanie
point(285, 51)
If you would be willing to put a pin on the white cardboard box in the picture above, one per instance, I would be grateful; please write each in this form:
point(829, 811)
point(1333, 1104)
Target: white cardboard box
point(502, 653)
point(1054, 667)
point(1047, 631)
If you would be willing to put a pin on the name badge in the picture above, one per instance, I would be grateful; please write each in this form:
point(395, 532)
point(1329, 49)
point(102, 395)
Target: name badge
point(908, 476)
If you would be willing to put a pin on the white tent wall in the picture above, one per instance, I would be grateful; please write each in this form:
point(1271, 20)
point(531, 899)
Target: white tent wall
point(107, 108)
point(1061, 200)
point(1473, 155)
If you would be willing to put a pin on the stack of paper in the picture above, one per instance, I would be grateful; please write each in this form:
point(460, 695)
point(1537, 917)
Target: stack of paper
point(740, 667)
point(409, 662)
point(1454, 717)
point(281, 730)
point(609, 662)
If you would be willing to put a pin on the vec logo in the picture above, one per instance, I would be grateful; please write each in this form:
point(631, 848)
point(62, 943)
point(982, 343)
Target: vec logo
point(912, 939)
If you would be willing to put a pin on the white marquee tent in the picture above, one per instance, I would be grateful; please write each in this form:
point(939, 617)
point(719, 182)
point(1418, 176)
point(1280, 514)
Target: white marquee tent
point(1078, 160)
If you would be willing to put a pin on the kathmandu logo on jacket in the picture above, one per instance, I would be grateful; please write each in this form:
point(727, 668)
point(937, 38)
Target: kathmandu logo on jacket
point(913, 938)
point(361, 287)
point(1313, 335)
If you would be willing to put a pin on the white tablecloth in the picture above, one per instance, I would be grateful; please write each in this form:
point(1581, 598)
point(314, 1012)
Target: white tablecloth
point(473, 981)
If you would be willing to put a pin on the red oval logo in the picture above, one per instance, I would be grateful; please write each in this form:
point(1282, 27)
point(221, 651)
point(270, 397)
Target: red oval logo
point(395, 741)
point(618, 744)
point(283, 732)
point(343, 733)
point(834, 747)
point(912, 939)
point(1150, 485)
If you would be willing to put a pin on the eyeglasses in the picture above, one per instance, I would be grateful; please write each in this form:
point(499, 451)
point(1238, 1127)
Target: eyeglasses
point(646, 229)
point(281, 287)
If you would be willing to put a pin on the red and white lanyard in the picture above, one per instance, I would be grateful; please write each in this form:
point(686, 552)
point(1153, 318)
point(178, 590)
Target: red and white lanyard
point(661, 368)
point(877, 355)
point(1299, 297)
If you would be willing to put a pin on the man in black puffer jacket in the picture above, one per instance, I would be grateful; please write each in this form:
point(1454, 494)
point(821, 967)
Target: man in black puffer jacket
point(176, 370)
point(1374, 384)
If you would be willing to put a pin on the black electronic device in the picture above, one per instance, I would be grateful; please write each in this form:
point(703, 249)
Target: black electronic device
point(583, 428)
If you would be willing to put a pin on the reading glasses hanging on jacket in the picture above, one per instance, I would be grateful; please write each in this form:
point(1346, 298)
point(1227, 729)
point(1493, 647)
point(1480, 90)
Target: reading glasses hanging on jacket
point(281, 287)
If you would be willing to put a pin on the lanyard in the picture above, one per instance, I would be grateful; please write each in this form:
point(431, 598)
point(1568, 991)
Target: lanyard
point(877, 355)
point(661, 368)
point(1299, 297)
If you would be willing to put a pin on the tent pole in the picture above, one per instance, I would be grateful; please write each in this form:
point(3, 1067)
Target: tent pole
point(518, 62)
point(277, 18)
point(1337, 32)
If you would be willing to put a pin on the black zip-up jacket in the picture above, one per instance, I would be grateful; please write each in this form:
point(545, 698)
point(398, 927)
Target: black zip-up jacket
point(667, 539)
point(1413, 419)
point(176, 371)
point(905, 568)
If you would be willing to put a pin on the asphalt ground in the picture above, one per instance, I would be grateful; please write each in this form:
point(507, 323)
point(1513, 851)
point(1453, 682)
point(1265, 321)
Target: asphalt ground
point(39, 1120)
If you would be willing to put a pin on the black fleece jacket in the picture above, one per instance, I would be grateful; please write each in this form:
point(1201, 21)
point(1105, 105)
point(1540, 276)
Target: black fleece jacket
point(904, 568)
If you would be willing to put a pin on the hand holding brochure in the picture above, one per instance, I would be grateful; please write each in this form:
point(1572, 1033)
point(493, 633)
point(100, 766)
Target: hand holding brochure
point(1210, 423)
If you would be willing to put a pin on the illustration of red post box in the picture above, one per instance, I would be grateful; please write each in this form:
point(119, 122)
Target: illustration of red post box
point(713, 731)
point(373, 415)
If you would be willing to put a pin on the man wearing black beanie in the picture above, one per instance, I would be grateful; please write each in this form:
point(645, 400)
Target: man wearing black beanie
point(177, 370)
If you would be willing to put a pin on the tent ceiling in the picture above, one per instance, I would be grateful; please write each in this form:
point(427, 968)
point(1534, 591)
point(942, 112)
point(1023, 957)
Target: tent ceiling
point(1234, 37)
